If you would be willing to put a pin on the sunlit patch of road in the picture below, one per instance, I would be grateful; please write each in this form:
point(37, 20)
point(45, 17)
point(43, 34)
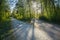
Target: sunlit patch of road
point(40, 30)
point(49, 29)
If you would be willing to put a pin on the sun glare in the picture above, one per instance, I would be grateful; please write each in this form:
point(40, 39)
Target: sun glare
point(36, 6)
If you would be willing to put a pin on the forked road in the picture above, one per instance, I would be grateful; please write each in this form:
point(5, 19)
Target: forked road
point(39, 31)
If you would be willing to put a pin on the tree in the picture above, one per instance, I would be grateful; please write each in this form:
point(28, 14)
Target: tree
point(4, 9)
point(51, 11)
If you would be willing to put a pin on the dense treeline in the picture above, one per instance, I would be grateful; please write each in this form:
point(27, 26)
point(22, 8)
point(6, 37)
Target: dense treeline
point(50, 11)
point(24, 11)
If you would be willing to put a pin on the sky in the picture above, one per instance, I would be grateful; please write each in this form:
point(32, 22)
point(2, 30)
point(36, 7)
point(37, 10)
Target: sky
point(12, 4)
point(57, 2)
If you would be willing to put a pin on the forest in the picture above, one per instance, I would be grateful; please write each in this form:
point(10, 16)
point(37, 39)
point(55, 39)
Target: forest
point(48, 10)
point(26, 10)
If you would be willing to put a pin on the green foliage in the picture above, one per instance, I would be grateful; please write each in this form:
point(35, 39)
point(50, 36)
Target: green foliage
point(4, 17)
point(51, 12)
point(25, 12)
point(4, 10)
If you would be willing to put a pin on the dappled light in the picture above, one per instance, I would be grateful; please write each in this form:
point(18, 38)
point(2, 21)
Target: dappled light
point(29, 19)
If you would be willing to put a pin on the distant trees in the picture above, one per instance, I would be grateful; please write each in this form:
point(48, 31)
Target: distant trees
point(19, 10)
point(49, 10)
point(24, 10)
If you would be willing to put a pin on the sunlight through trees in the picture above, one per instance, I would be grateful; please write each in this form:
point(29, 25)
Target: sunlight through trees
point(28, 10)
point(42, 9)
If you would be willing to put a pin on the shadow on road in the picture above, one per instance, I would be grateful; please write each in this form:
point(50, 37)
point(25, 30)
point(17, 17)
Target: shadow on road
point(40, 30)
point(20, 31)
point(33, 36)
